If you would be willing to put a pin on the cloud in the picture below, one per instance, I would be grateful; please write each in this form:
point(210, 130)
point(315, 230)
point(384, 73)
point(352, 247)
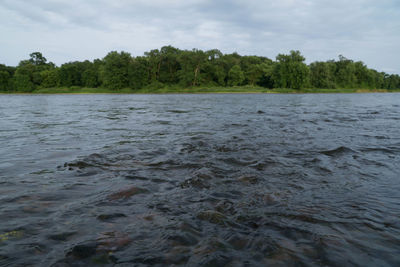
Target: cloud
point(77, 30)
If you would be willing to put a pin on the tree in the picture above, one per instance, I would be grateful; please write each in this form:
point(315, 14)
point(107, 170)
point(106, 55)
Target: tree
point(251, 68)
point(212, 70)
point(322, 74)
point(364, 78)
point(23, 83)
point(378, 79)
point(50, 78)
point(24, 77)
point(267, 72)
point(345, 73)
point(235, 76)
point(116, 70)
point(138, 73)
point(90, 73)
point(191, 63)
point(6, 74)
point(189, 68)
point(168, 65)
point(392, 82)
point(4, 80)
point(31, 73)
point(291, 71)
point(70, 74)
point(220, 74)
point(259, 74)
point(37, 59)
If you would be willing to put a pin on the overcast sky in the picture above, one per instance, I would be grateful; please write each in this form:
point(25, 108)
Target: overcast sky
point(69, 30)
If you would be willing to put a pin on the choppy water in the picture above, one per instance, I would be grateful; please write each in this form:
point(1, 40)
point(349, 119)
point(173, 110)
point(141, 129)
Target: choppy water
point(211, 180)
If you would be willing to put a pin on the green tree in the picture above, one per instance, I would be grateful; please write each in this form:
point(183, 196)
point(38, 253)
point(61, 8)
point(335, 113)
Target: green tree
point(378, 79)
point(259, 73)
point(116, 70)
point(235, 76)
point(168, 65)
point(90, 73)
point(6, 74)
point(50, 78)
point(4, 80)
point(37, 59)
point(363, 77)
point(392, 81)
point(212, 71)
point(291, 71)
point(254, 74)
point(221, 65)
point(24, 77)
point(345, 73)
point(191, 63)
point(220, 74)
point(266, 79)
point(154, 58)
point(139, 73)
point(30, 73)
point(189, 68)
point(23, 83)
point(322, 74)
point(251, 68)
point(70, 74)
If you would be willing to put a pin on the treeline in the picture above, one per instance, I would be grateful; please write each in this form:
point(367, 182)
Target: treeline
point(171, 66)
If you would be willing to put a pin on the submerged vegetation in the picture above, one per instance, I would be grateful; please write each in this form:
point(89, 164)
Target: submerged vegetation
point(171, 70)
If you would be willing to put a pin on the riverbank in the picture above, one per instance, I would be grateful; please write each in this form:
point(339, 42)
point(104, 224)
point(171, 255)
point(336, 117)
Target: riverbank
point(198, 90)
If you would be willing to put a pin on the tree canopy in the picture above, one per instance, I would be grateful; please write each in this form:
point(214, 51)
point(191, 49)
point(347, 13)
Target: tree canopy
point(170, 66)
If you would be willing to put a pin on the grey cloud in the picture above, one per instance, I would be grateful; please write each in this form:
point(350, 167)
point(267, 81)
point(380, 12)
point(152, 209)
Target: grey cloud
point(361, 29)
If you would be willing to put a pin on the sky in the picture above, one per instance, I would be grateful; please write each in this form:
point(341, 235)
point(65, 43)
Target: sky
point(70, 30)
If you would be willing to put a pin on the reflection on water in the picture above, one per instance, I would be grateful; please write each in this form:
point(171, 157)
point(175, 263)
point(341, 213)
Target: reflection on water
point(214, 180)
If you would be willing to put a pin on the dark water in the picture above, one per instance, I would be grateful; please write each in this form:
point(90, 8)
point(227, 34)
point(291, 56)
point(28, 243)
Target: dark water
point(210, 180)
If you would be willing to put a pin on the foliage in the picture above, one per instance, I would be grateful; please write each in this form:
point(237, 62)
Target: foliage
point(28, 74)
point(291, 71)
point(170, 69)
point(116, 70)
point(6, 75)
point(23, 83)
point(50, 78)
point(37, 59)
point(4, 80)
point(322, 74)
point(235, 76)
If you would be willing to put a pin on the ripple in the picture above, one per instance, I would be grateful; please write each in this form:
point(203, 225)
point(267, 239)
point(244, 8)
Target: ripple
point(342, 150)
point(195, 180)
point(178, 111)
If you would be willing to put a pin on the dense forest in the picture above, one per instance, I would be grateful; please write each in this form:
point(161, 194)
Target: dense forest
point(171, 66)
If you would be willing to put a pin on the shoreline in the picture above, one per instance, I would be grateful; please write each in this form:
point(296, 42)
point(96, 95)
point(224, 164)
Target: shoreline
point(216, 90)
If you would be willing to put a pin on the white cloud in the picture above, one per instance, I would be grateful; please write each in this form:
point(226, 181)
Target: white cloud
point(77, 30)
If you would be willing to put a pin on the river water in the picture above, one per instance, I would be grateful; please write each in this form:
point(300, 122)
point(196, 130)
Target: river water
point(208, 180)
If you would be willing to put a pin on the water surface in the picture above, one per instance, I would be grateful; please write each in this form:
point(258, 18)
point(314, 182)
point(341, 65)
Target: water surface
point(211, 180)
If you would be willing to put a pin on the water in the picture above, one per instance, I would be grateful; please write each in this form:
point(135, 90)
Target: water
point(211, 180)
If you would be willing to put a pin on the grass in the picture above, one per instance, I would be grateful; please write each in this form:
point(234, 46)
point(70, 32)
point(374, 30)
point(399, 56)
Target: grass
point(333, 91)
point(199, 90)
point(81, 90)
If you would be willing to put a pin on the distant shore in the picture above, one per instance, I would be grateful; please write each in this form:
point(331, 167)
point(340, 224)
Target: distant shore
point(199, 90)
